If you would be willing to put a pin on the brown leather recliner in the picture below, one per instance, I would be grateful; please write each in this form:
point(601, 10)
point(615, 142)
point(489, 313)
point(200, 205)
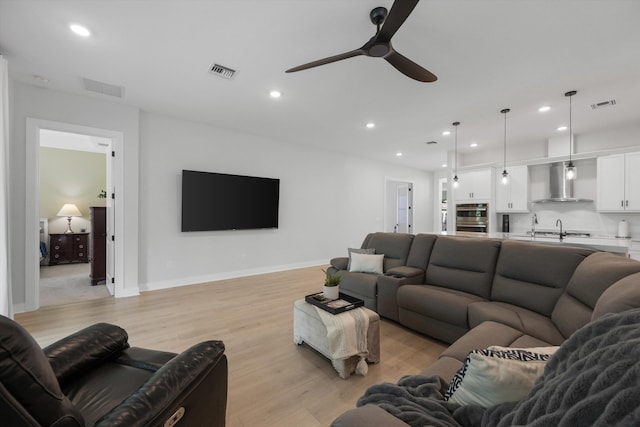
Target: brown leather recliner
point(93, 378)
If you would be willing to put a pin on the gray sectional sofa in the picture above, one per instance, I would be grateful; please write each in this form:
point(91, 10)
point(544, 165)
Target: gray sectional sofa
point(476, 292)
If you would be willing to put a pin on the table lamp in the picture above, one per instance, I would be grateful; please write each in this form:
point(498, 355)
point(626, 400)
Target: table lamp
point(69, 210)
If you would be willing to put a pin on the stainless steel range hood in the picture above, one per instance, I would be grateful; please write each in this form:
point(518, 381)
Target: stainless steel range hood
point(560, 188)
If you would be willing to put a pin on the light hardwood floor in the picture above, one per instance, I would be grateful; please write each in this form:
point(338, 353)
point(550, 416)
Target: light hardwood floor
point(272, 382)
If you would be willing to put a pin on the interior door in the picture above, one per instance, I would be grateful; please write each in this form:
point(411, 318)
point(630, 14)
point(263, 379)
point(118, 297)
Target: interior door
point(404, 202)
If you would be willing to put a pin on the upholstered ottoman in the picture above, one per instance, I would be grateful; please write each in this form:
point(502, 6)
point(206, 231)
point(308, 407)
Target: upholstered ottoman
point(340, 335)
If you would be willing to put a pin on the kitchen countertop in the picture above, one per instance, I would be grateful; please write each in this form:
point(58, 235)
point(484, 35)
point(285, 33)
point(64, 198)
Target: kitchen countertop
point(607, 244)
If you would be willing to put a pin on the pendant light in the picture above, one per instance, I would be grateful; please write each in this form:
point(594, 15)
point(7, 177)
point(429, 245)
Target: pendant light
point(571, 170)
point(505, 174)
point(455, 165)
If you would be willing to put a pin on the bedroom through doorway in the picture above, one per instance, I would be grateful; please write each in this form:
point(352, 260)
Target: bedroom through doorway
point(74, 175)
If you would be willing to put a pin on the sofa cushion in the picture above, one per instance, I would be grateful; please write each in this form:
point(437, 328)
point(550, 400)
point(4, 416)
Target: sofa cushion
point(592, 277)
point(463, 263)
point(490, 334)
point(445, 367)
point(519, 318)
point(360, 283)
point(533, 275)
point(367, 416)
point(448, 305)
point(420, 251)
point(394, 246)
point(621, 296)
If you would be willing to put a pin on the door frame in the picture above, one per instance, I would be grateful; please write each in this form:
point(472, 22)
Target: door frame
point(388, 203)
point(32, 211)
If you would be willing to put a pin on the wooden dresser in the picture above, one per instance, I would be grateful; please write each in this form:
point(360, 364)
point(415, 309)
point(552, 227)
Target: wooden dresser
point(98, 244)
point(70, 247)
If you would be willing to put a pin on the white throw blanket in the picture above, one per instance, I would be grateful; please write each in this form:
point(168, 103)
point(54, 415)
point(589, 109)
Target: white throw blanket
point(347, 335)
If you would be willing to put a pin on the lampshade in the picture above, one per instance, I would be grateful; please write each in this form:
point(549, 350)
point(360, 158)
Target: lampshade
point(69, 209)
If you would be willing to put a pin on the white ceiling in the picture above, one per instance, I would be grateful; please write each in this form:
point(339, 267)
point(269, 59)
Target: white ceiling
point(487, 54)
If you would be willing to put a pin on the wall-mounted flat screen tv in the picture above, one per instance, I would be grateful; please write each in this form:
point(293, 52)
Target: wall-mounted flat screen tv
point(217, 201)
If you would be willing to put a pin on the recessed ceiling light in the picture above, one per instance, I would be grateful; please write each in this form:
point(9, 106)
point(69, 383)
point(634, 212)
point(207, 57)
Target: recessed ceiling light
point(473, 144)
point(80, 30)
point(544, 108)
point(562, 128)
point(444, 165)
point(275, 94)
point(446, 133)
point(371, 125)
point(398, 154)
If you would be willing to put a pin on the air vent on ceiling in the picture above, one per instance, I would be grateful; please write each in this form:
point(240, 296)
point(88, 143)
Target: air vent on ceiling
point(431, 142)
point(603, 104)
point(103, 88)
point(222, 71)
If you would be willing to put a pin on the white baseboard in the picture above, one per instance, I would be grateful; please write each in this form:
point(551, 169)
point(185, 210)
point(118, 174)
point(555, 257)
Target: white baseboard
point(186, 281)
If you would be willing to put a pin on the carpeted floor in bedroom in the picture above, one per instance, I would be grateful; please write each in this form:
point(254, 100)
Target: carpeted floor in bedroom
point(65, 283)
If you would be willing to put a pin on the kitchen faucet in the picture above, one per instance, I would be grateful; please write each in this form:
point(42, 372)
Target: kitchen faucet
point(534, 221)
point(559, 221)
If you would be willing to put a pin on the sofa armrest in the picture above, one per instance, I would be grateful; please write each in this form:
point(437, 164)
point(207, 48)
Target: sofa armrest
point(339, 263)
point(367, 416)
point(79, 352)
point(194, 381)
point(387, 287)
point(412, 274)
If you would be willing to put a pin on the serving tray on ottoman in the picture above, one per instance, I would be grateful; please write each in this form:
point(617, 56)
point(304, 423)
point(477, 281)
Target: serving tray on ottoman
point(340, 305)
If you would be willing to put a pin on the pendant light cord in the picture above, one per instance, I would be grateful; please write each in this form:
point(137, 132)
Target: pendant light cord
point(505, 141)
point(570, 129)
point(570, 95)
point(505, 174)
point(455, 169)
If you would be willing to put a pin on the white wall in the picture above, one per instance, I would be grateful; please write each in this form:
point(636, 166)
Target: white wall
point(328, 202)
point(42, 104)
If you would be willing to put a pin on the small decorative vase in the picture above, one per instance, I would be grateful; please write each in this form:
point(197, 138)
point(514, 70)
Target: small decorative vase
point(331, 292)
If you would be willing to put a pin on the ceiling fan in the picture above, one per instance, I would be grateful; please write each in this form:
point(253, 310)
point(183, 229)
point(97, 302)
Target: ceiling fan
point(379, 46)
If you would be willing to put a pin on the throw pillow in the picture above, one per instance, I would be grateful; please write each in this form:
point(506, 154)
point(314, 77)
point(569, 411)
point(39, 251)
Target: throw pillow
point(490, 377)
point(359, 251)
point(540, 350)
point(366, 263)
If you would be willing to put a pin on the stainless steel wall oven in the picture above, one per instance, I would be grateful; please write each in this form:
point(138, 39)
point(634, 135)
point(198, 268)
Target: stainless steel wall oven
point(473, 217)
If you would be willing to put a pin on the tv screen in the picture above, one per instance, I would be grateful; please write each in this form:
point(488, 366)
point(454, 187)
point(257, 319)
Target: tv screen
point(217, 201)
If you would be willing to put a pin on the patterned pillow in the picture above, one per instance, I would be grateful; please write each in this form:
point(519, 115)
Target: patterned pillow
point(489, 377)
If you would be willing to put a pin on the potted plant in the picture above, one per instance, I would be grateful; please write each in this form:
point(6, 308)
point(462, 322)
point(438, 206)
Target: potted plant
point(331, 288)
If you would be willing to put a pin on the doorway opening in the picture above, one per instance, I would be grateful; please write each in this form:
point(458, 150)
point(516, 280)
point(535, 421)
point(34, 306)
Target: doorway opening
point(398, 209)
point(74, 179)
point(34, 230)
point(442, 200)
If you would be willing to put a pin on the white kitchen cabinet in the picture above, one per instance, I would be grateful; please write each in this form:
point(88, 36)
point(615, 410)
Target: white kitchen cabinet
point(513, 196)
point(473, 186)
point(618, 183)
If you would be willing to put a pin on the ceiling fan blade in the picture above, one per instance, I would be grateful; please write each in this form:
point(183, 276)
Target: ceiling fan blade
point(409, 68)
point(400, 11)
point(328, 60)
